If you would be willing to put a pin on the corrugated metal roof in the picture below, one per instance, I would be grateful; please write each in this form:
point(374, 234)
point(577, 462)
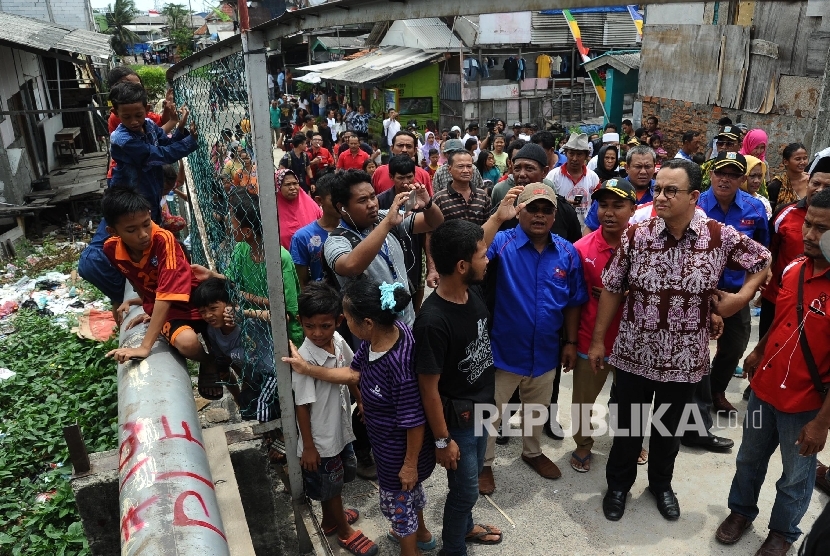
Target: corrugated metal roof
point(44, 36)
point(380, 65)
point(429, 33)
point(622, 60)
point(340, 43)
point(597, 29)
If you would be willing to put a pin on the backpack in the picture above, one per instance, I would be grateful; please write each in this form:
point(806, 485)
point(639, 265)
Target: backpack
point(330, 277)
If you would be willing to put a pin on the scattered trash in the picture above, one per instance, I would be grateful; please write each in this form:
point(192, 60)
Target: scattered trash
point(48, 285)
point(755, 311)
point(77, 305)
point(7, 308)
point(44, 496)
point(6, 373)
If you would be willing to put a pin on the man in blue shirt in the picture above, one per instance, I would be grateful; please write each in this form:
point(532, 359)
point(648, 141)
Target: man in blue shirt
point(640, 162)
point(539, 288)
point(725, 202)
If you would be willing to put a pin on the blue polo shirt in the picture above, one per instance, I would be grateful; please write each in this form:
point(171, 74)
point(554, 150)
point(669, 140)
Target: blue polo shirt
point(532, 289)
point(591, 220)
point(747, 215)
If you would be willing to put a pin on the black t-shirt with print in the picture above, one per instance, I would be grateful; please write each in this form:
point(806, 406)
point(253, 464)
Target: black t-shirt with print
point(452, 340)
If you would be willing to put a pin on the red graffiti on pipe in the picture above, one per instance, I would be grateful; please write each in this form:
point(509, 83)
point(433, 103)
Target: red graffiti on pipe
point(168, 433)
point(132, 522)
point(180, 518)
point(190, 474)
point(131, 442)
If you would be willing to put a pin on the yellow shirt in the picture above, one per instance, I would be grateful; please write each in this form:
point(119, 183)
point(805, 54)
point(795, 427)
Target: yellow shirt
point(543, 63)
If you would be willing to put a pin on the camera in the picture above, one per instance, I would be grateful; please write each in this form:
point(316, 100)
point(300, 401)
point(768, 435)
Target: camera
point(491, 124)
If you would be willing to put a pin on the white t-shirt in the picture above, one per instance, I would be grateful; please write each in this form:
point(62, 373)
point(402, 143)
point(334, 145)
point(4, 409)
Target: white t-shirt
point(270, 81)
point(331, 412)
point(391, 127)
point(565, 186)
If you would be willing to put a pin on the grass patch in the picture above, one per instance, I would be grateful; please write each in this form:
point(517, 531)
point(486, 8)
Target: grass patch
point(60, 380)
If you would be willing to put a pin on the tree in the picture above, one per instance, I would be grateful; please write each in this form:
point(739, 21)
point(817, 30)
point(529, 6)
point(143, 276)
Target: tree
point(178, 27)
point(118, 18)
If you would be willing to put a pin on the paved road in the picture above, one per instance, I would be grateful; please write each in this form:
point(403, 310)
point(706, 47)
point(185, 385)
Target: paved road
point(565, 516)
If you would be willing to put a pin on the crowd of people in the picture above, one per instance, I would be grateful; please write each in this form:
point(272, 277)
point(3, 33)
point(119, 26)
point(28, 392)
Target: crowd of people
point(542, 255)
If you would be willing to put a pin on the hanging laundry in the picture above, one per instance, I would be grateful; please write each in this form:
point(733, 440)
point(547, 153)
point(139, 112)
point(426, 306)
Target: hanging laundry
point(511, 68)
point(543, 65)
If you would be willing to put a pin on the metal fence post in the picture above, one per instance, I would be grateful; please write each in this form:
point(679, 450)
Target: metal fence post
point(256, 71)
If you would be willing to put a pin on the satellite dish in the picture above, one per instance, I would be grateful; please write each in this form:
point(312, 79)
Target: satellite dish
point(825, 245)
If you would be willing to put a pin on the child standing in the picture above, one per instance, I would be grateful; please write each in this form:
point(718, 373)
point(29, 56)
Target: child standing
point(433, 162)
point(154, 263)
point(307, 242)
point(384, 370)
point(324, 417)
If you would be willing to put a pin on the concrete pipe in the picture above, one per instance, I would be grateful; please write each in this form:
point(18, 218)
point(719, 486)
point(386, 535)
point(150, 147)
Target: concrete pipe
point(167, 499)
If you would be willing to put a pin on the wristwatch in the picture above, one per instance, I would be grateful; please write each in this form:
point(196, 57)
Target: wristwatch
point(442, 443)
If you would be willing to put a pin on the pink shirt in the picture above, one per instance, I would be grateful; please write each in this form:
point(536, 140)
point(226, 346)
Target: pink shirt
point(595, 253)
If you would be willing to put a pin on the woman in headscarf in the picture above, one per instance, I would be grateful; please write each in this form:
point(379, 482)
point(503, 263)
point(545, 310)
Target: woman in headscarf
point(429, 143)
point(296, 209)
point(755, 144)
point(755, 185)
point(607, 162)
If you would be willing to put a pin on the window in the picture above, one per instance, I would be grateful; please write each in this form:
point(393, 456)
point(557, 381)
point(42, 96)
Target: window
point(416, 105)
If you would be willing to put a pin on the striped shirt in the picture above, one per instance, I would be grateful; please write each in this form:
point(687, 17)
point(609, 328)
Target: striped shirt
point(455, 207)
point(391, 405)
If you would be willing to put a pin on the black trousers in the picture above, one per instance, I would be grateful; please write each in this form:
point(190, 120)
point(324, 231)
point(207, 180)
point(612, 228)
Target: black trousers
point(621, 471)
point(731, 347)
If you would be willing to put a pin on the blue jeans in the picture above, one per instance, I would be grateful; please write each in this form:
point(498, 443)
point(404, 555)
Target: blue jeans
point(95, 267)
point(765, 430)
point(463, 490)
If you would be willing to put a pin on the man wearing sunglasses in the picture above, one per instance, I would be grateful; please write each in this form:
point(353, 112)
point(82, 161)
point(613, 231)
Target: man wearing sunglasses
point(725, 202)
point(539, 288)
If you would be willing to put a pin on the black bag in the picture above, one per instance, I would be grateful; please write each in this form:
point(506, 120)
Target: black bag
point(821, 387)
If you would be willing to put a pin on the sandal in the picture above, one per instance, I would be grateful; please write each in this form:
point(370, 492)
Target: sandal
point(821, 477)
point(478, 538)
point(359, 545)
point(642, 459)
point(209, 379)
point(425, 546)
point(582, 461)
point(352, 515)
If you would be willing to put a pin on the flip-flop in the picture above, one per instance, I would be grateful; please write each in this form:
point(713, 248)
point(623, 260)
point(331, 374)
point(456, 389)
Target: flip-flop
point(209, 380)
point(359, 545)
point(425, 546)
point(478, 538)
point(642, 459)
point(587, 459)
point(352, 515)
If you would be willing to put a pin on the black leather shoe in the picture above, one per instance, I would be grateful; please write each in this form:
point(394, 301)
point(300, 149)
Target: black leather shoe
point(711, 443)
point(551, 433)
point(613, 505)
point(667, 504)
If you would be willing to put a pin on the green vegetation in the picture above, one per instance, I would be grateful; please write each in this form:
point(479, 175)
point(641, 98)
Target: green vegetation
point(60, 380)
point(118, 17)
point(154, 79)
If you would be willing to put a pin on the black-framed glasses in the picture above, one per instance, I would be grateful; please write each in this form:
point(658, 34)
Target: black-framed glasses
point(725, 143)
point(669, 192)
point(543, 208)
point(727, 175)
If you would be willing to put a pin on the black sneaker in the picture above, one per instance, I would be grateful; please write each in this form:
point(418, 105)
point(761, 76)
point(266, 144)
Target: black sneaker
point(501, 440)
point(366, 468)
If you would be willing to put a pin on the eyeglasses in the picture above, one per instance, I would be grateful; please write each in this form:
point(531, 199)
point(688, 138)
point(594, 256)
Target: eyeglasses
point(668, 192)
point(544, 209)
point(725, 143)
point(727, 175)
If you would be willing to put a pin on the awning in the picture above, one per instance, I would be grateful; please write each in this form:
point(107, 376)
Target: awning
point(323, 66)
point(41, 36)
point(380, 65)
point(621, 60)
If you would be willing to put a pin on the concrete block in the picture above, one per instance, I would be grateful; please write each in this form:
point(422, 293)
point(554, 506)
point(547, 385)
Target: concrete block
point(96, 495)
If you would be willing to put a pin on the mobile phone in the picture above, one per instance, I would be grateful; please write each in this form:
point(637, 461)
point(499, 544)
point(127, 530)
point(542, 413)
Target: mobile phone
point(410, 202)
point(577, 198)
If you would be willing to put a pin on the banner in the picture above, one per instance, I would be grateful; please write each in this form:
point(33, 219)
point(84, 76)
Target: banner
point(599, 85)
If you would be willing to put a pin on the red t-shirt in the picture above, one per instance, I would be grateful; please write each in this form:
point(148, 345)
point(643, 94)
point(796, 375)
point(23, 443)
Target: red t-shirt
point(349, 161)
point(113, 122)
point(162, 273)
point(786, 243)
point(594, 252)
point(782, 378)
point(382, 181)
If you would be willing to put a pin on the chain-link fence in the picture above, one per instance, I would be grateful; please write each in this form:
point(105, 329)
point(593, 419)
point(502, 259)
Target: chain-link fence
point(226, 224)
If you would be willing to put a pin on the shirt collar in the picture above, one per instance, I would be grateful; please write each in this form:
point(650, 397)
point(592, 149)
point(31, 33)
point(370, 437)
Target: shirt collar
point(451, 190)
point(319, 355)
point(695, 228)
point(710, 201)
point(570, 177)
point(522, 239)
point(122, 254)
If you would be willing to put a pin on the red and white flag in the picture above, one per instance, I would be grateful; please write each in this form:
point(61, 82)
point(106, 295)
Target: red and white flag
point(153, 13)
